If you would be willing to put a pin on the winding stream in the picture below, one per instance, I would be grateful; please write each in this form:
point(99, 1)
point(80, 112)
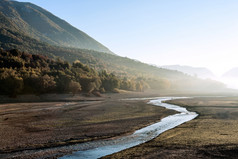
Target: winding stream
point(97, 149)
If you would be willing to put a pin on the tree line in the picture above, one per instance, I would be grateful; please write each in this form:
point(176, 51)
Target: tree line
point(24, 73)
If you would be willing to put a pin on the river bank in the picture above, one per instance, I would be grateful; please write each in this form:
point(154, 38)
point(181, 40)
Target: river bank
point(29, 129)
point(100, 148)
point(213, 134)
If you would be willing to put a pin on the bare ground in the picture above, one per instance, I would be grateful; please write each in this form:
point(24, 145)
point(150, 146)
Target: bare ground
point(28, 130)
point(214, 134)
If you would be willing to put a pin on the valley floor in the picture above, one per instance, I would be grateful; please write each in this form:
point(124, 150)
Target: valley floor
point(214, 134)
point(43, 129)
point(29, 128)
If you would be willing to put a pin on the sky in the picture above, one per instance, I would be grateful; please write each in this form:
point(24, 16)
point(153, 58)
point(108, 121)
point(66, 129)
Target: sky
point(200, 33)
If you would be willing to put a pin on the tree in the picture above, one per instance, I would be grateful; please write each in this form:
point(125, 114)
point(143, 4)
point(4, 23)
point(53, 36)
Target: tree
point(10, 83)
point(74, 87)
point(46, 83)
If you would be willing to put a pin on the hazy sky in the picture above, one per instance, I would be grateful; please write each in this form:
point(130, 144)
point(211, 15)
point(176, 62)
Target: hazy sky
point(160, 32)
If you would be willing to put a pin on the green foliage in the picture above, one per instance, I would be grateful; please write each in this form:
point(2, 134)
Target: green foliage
point(23, 73)
point(10, 82)
point(109, 81)
point(75, 87)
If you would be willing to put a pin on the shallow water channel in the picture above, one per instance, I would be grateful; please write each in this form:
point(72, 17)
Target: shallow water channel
point(100, 148)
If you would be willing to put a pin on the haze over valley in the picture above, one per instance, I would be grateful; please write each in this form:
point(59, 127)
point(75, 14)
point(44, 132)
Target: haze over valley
point(197, 34)
point(118, 79)
point(204, 39)
point(229, 78)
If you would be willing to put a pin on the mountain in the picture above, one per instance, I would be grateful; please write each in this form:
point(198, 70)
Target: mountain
point(58, 39)
point(232, 73)
point(19, 30)
point(230, 78)
point(200, 72)
point(32, 21)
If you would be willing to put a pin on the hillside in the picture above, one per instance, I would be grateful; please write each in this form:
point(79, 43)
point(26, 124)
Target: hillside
point(14, 35)
point(24, 73)
point(98, 60)
point(200, 72)
point(18, 32)
point(35, 22)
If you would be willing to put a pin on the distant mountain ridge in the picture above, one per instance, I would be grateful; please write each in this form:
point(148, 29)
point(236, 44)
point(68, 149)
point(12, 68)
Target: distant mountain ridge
point(230, 78)
point(232, 73)
point(35, 22)
point(200, 72)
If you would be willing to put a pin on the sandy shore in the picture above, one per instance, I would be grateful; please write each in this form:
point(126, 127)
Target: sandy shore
point(28, 129)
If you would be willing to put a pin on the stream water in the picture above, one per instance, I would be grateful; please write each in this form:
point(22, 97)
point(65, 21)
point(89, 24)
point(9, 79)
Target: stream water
point(100, 148)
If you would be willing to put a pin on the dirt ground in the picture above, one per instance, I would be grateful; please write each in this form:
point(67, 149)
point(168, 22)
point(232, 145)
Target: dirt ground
point(28, 129)
point(214, 134)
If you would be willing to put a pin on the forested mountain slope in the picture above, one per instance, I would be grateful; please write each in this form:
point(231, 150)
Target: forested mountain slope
point(19, 29)
point(35, 22)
